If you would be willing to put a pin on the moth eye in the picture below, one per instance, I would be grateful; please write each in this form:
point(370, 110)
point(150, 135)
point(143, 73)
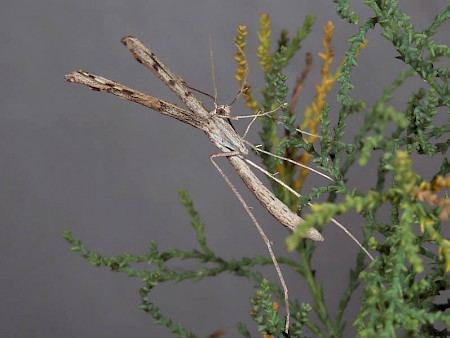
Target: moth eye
point(223, 110)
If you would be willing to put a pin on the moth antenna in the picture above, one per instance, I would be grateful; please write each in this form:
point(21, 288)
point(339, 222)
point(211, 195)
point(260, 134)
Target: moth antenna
point(199, 91)
point(213, 71)
point(258, 149)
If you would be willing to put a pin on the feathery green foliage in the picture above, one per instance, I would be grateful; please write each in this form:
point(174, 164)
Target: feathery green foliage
point(343, 9)
point(400, 288)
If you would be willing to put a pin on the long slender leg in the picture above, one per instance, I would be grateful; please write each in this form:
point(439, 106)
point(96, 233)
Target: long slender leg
point(258, 149)
point(272, 176)
point(292, 191)
point(260, 230)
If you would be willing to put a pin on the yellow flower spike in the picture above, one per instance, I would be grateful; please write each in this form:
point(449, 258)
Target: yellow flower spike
point(242, 69)
point(264, 36)
point(313, 112)
point(239, 56)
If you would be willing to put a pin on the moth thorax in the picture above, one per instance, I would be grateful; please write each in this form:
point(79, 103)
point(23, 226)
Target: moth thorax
point(223, 110)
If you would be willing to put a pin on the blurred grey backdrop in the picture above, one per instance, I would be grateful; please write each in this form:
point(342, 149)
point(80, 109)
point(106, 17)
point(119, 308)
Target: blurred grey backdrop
point(109, 170)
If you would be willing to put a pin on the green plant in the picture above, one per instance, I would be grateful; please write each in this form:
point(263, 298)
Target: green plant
point(413, 256)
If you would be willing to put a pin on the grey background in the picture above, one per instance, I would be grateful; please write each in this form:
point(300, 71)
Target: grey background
point(109, 170)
